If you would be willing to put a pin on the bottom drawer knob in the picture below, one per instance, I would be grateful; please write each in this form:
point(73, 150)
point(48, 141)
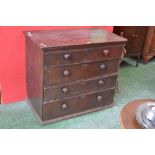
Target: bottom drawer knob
point(99, 98)
point(64, 106)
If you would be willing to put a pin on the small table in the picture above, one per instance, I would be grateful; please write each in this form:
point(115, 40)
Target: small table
point(127, 116)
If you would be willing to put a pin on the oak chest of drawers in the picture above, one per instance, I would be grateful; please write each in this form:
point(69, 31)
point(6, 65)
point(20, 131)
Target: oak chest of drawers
point(71, 72)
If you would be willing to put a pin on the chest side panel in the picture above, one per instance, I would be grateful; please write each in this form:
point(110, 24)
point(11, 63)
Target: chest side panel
point(34, 76)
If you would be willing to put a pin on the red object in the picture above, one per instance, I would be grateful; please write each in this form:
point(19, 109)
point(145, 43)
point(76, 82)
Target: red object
point(12, 59)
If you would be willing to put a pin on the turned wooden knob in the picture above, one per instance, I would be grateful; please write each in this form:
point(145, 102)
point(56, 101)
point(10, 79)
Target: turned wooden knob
point(66, 73)
point(106, 52)
point(133, 35)
point(67, 56)
point(121, 34)
point(136, 35)
point(102, 66)
point(99, 98)
point(65, 90)
point(100, 82)
point(64, 106)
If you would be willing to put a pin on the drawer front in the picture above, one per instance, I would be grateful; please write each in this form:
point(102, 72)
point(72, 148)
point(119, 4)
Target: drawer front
point(102, 53)
point(66, 74)
point(58, 58)
point(68, 57)
point(74, 89)
point(78, 104)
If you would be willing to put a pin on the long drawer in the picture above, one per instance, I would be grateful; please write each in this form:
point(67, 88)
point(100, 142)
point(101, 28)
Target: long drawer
point(67, 74)
point(76, 56)
point(74, 89)
point(77, 104)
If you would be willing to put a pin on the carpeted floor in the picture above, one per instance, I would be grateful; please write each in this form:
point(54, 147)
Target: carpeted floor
point(134, 83)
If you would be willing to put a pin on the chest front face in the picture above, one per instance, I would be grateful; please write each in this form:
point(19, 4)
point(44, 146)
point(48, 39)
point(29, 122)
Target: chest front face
point(78, 71)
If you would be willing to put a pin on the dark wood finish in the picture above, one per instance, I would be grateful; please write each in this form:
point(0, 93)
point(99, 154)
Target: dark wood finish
point(49, 39)
point(73, 89)
point(70, 71)
point(34, 75)
point(104, 53)
point(55, 75)
point(135, 36)
point(127, 116)
point(149, 46)
point(65, 57)
point(77, 104)
point(82, 55)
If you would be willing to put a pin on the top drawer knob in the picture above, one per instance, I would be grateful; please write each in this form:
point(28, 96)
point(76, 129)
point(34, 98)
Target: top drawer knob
point(106, 52)
point(66, 72)
point(99, 98)
point(67, 56)
point(102, 66)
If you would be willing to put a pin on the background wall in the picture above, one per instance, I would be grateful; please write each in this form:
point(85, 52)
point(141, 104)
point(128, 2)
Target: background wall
point(12, 60)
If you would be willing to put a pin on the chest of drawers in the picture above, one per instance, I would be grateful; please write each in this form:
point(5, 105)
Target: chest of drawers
point(71, 72)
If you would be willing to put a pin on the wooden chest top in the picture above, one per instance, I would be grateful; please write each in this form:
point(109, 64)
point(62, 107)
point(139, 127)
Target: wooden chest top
point(62, 38)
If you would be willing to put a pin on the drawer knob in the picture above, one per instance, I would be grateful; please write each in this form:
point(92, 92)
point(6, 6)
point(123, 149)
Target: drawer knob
point(67, 56)
point(64, 106)
point(102, 66)
point(101, 82)
point(121, 34)
point(65, 90)
point(133, 35)
point(99, 98)
point(66, 72)
point(106, 52)
point(136, 35)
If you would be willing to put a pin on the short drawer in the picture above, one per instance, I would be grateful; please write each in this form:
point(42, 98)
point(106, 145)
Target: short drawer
point(102, 53)
point(78, 88)
point(65, 57)
point(68, 74)
point(52, 110)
